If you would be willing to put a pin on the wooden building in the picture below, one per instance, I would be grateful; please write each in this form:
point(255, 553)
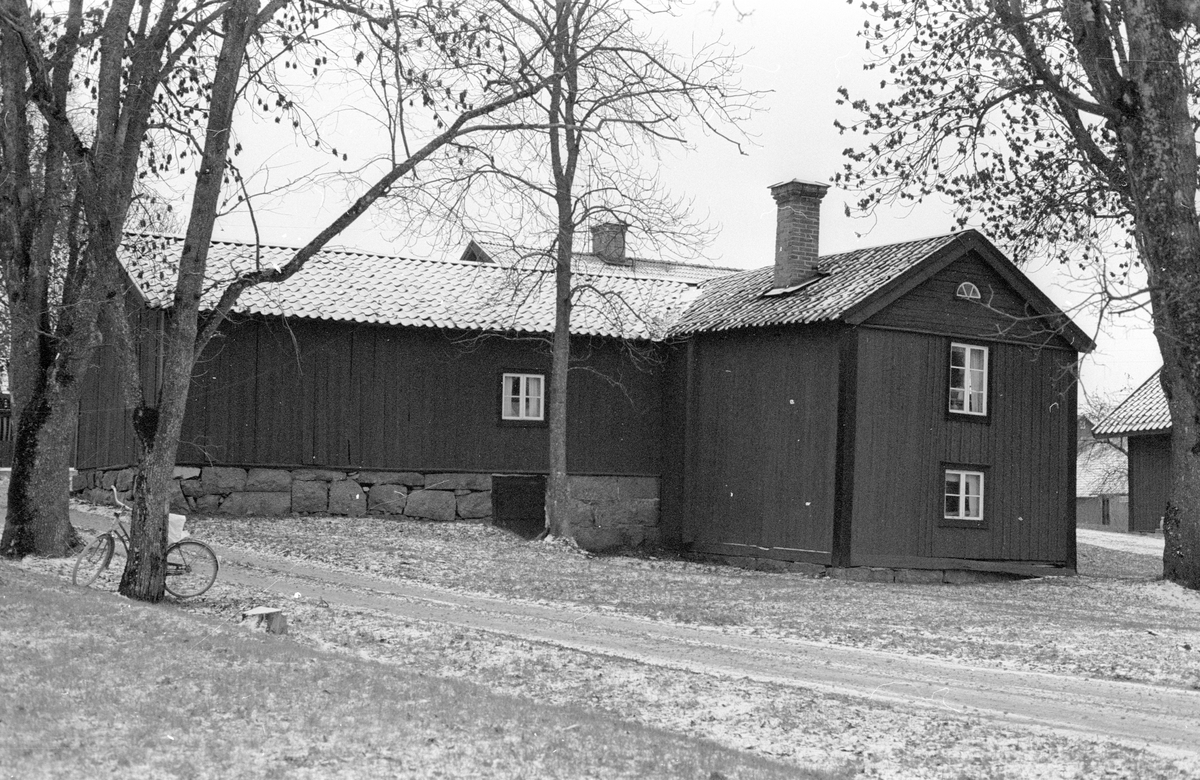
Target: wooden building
point(1143, 418)
point(909, 406)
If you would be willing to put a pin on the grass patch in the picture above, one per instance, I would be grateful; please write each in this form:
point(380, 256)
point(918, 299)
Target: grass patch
point(92, 685)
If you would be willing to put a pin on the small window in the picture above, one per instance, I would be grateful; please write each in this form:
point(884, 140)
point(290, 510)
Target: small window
point(968, 291)
point(522, 397)
point(963, 495)
point(968, 379)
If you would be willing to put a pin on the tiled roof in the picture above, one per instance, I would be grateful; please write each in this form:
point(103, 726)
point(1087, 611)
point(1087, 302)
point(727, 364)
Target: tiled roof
point(736, 301)
point(1145, 411)
point(350, 286)
point(511, 256)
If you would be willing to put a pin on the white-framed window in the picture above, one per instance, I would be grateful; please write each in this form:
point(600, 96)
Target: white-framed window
point(523, 397)
point(968, 379)
point(963, 498)
point(968, 291)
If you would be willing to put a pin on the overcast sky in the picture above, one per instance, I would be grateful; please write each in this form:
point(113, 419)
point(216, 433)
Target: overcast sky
point(801, 50)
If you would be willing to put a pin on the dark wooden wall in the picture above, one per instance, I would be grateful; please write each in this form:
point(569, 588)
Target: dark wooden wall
point(932, 307)
point(346, 396)
point(1149, 480)
point(762, 433)
point(104, 435)
point(904, 436)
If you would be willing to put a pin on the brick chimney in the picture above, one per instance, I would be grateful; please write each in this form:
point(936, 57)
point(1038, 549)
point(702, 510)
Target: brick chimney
point(797, 231)
point(608, 242)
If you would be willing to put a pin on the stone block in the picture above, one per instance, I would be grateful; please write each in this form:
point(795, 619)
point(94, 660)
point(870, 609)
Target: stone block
point(191, 487)
point(223, 479)
point(458, 481)
point(208, 504)
point(317, 475)
point(637, 488)
point(187, 472)
point(608, 515)
point(387, 499)
point(920, 576)
point(475, 506)
point(431, 505)
point(178, 501)
point(268, 481)
point(309, 497)
point(347, 498)
point(124, 480)
point(611, 539)
point(260, 504)
point(107, 479)
point(79, 481)
point(594, 489)
point(581, 514)
point(390, 478)
point(97, 496)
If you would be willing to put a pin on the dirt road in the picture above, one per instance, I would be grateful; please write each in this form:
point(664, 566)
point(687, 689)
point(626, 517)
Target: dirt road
point(1164, 719)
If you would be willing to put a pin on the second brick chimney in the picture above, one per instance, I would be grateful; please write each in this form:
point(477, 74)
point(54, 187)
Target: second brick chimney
point(797, 231)
point(608, 242)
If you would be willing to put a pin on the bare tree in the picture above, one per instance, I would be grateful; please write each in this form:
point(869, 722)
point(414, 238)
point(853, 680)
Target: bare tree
point(171, 76)
point(1065, 127)
point(616, 94)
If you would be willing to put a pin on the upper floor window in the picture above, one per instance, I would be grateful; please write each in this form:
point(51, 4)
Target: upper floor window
point(522, 397)
point(968, 379)
point(963, 495)
point(968, 291)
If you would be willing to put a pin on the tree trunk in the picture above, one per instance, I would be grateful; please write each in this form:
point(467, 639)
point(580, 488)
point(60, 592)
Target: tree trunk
point(39, 491)
point(558, 494)
point(145, 568)
point(1160, 148)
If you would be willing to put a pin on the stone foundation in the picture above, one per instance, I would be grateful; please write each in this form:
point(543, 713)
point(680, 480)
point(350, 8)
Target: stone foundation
point(608, 513)
point(861, 573)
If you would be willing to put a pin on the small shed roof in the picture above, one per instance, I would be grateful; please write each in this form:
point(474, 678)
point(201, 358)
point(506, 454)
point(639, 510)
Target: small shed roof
point(349, 286)
point(1144, 411)
point(1100, 470)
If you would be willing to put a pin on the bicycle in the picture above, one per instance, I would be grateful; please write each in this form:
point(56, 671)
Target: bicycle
point(192, 566)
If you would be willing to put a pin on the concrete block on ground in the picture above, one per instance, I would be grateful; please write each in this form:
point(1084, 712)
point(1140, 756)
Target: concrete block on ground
point(965, 577)
point(863, 574)
point(222, 479)
point(474, 506)
point(310, 497)
point(268, 480)
point(431, 505)
point(387, 499)
point(347, 498)
point(274, 504)
point(458, 481)
point(920, 576)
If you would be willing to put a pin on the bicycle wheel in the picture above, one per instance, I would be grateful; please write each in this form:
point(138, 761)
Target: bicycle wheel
point(191, 568)
point(92, 560)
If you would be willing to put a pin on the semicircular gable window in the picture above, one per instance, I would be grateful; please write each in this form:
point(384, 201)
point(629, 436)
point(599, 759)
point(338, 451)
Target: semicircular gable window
point(968, 291)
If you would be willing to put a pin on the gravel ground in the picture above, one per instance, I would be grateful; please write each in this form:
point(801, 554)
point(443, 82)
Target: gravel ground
point(1120, 629)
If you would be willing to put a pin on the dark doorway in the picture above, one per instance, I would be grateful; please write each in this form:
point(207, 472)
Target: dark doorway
point(519, 504)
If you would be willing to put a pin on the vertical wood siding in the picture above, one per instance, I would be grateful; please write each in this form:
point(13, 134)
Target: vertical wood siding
point(337, 395)
point(762, 439)
point(1149, 480)
point(904, 437)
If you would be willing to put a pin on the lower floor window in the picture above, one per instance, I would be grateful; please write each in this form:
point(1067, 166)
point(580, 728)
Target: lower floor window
point(964, 495)
point(522, 397)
